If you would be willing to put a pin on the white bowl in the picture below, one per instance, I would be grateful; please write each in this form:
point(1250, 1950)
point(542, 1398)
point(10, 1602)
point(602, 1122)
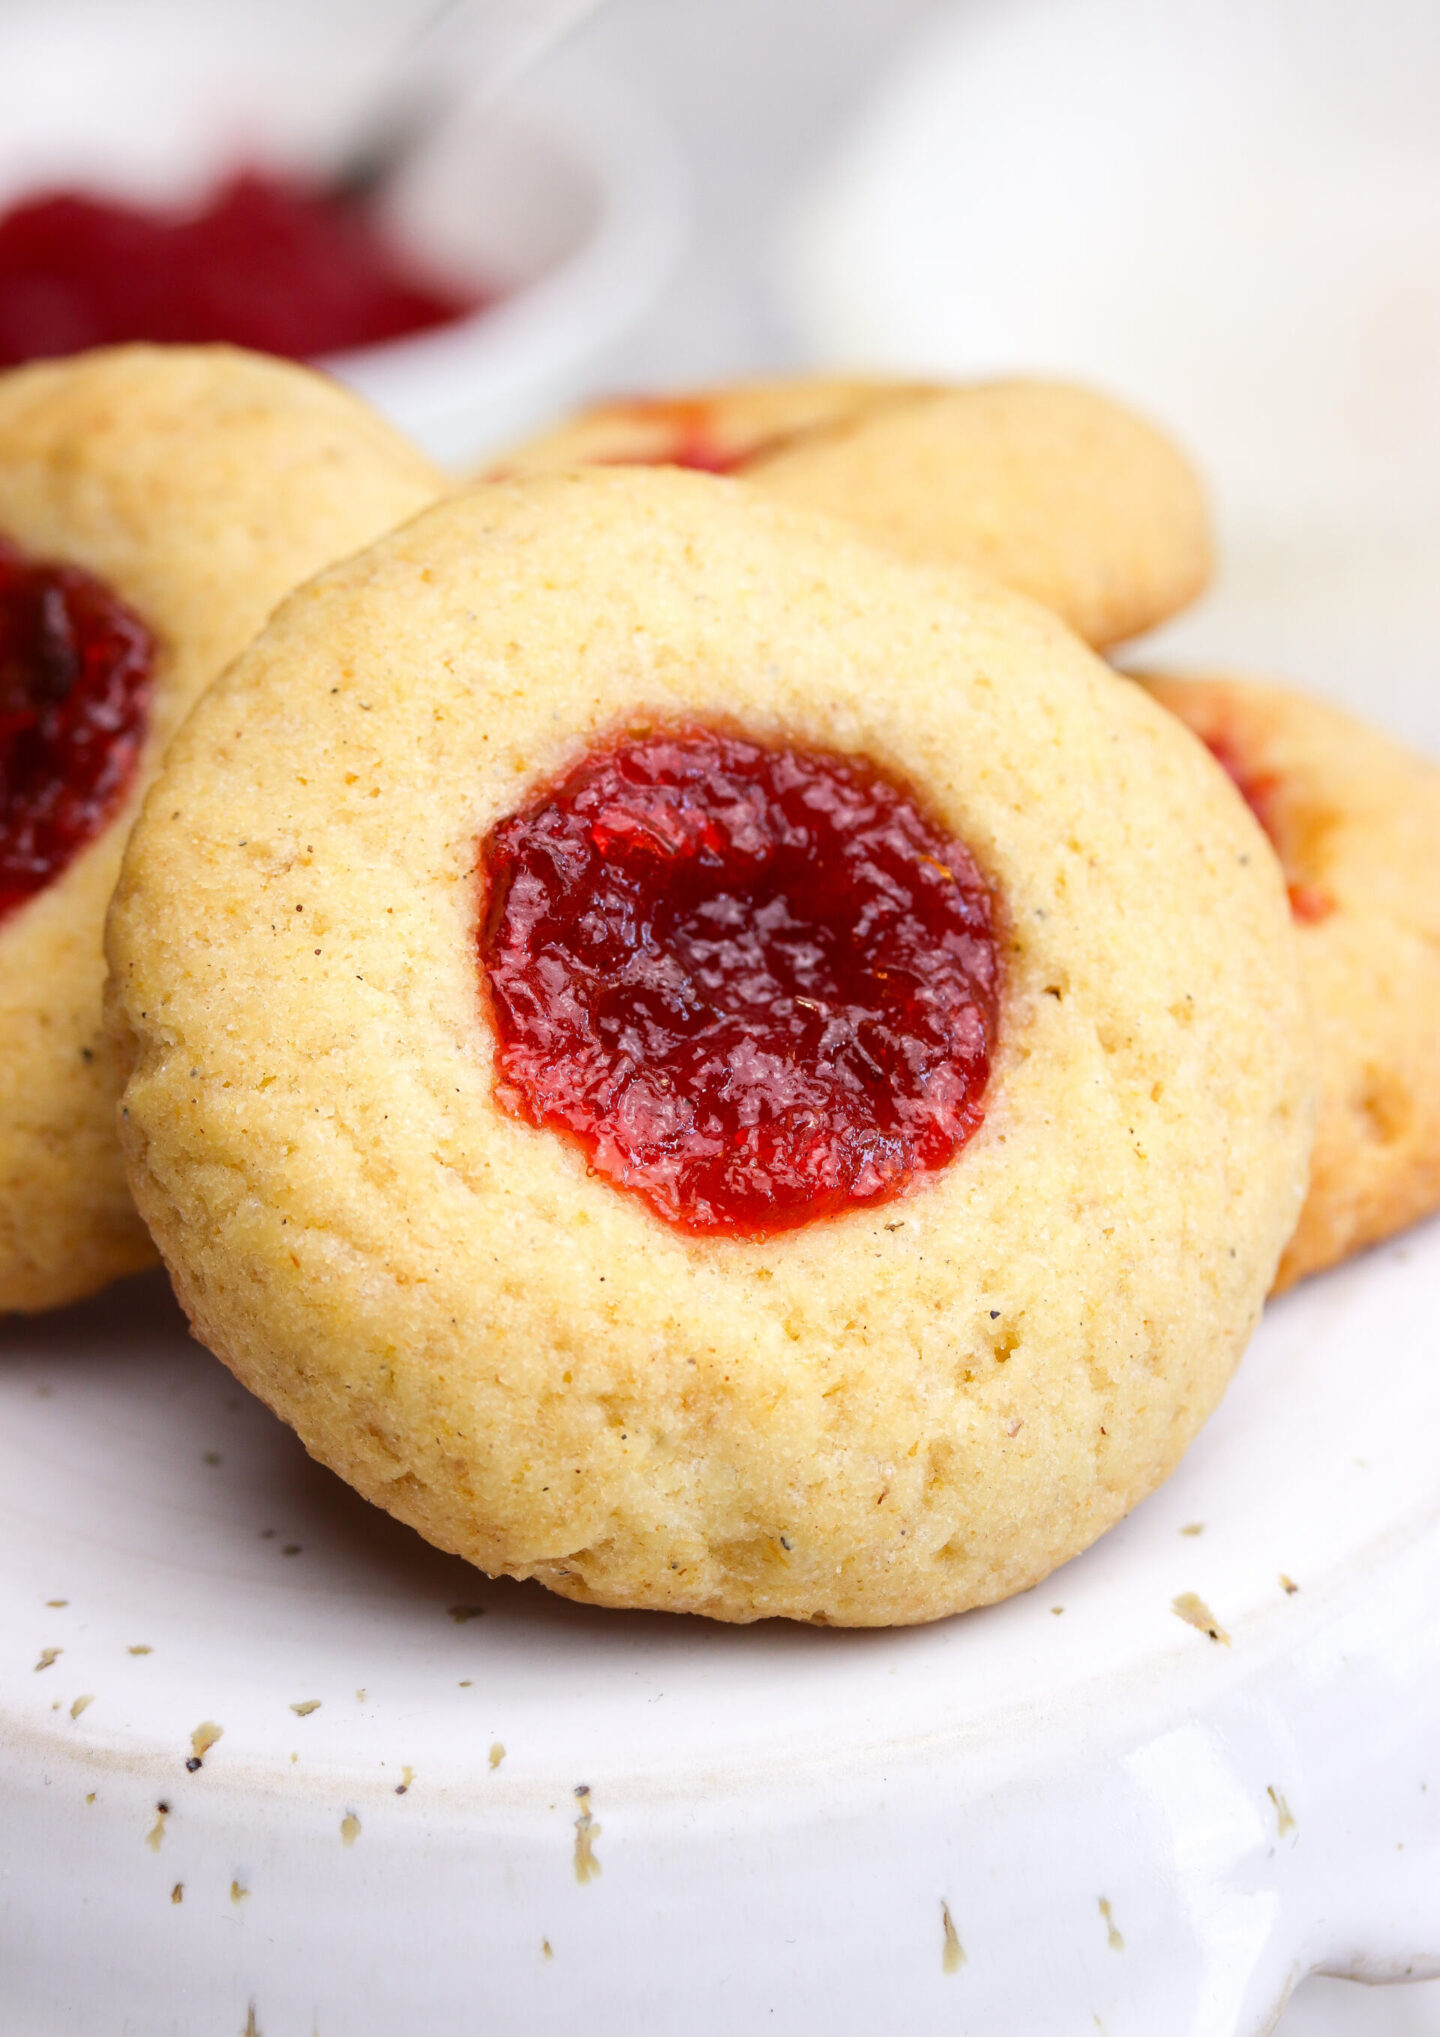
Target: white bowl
point(568, 199)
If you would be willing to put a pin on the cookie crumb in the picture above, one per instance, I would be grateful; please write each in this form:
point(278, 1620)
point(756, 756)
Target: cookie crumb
point(952, 1956)
point(1284, 1816)
point(1191, 1608)
point(587, 1867)
point(201, 1741)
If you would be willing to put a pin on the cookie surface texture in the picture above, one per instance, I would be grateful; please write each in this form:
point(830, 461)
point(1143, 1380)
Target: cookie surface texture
point(717, 429)
point(1055, 491)
point(1355, 820)
point(882, 1417)
point(199, 484)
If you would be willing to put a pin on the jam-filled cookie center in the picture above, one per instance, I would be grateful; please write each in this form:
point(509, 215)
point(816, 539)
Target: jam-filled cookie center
point(756, 983)
point(1293, 835)
point(75, 676)
point(682, 431)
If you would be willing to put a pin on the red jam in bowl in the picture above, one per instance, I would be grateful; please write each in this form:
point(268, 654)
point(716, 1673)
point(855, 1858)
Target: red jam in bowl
point(265, 261)
point(755, 983)
point(75, 676)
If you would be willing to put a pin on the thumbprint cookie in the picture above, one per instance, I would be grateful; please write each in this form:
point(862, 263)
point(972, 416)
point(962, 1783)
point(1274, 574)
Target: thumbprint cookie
point(1055, 491)
point(715, 431)
point(1355, 822)
point(705, 1065)
point(155, 504)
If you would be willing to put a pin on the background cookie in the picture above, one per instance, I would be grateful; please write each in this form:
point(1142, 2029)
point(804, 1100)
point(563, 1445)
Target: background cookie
point(717, 429)
point(1355, 821)
point(199, 484)
point(881, 1417)
point(1056, 491)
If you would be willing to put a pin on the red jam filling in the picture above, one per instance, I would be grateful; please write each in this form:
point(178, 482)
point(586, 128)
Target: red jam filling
point(264, 261)
point(692, 441)
point(75, 673)
point(755, 983)
point(1310, 902)
point(1262, 793)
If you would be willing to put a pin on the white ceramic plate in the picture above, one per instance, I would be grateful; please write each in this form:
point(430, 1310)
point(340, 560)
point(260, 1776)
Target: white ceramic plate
point(1130, 1826)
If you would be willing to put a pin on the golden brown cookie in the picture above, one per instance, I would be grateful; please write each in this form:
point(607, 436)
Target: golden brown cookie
point(198, 485)
point(1056, 491)
point(1355, 821)
point(883, 1415)
point(713, 430)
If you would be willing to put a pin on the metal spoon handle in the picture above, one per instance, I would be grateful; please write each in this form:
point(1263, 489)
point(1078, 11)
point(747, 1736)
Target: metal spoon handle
point(521, 34)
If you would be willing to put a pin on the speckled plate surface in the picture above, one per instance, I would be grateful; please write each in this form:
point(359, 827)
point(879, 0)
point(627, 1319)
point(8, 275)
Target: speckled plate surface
point(269, 1764)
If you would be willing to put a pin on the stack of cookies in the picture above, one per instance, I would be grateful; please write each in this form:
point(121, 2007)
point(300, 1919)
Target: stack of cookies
point(667, 1010)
